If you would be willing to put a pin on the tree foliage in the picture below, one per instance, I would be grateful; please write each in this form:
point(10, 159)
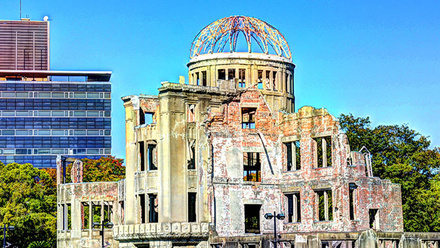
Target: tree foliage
point(28, 202)
point(402, 155)
point(28, 198)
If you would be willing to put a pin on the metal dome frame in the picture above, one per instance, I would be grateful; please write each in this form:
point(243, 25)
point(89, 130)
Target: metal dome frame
point(214, 37)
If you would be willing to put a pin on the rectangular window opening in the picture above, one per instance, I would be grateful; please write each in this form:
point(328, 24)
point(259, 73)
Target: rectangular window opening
point(294, 207)
point(197, 78)
point(252, 218)
point(242, 78)
point(96, 213)
point(248, 117)
point(221, 74)
point(231, 74)
point(260, 79)
point(274, 81)
point(293, 155)
point(191, 155)
point(141, 148)
point(152, 209)
point(325, 205)
point(192, 207)
point(142, 210)
point(251, 167)
point(323, 154)
point(352, 195)
point(374, 218)
point(204, 83)
point(152, 157)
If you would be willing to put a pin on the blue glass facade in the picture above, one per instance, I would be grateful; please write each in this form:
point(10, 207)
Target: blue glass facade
point(54, 114)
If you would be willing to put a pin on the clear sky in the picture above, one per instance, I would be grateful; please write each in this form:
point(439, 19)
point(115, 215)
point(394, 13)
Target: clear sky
point(370, 58)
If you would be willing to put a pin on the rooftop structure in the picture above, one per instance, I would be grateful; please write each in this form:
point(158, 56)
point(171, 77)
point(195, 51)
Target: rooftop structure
point(24, 45)
point(205, 161)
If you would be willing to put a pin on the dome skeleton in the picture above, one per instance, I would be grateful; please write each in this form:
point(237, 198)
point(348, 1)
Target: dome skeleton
point(214, 37)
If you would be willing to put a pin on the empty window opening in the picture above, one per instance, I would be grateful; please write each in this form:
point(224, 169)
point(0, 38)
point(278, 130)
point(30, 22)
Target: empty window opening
point(323, 154)
point(192, 207)
point(293, 155)
point(142, 210)
point(204, 83)
point(191, 113)
point(153, 209)
point(294, 207)
point(251, 167)
point(268, 81)
point(108, 212)
point(145, 117)
point(260, 79)
point(67, 223)
point(374, 218)
point(85, 216)
point(231, 74)
point(152, 157)
point(191, 154)
point(141, 148)
point(291, 85)
point(252, 218)
point(248, 117)
point(121, 212)
point(352, 195)
point(274, 80)
point(197, 77)
point(96, 213)
point(242, 78)
point(324, 205)
point(221, 74)
point(286, 81)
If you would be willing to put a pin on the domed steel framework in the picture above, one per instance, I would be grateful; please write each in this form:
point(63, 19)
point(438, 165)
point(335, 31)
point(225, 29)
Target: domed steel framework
point(214, 37)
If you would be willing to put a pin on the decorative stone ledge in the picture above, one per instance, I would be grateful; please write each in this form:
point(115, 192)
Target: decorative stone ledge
point(161, 230)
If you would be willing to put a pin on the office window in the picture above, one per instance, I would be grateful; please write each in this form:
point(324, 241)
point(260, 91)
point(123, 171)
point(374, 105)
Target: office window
point(251, 167)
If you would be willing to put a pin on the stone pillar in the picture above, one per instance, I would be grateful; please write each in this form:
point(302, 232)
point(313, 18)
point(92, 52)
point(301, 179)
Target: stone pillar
point(367, 239)
point(131, 106)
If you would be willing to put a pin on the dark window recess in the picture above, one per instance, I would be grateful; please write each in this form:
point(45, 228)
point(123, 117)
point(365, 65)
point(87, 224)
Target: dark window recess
point(96, 213)
point(251, 167)
point(241, 78)
point(221, 74)
point(142, 155)
point(231, 74)
point(252, 218)
point(294, 207)
point(352, 190)
point(142, 208)
point(204, 83)
point(260, 79)
point(325, 207)
point(248, 117)
point(197, 78)
point(192, 207)
point(293, 155)
point(152, 209)
point(374, 218)
point(323, 151)
point(152, 157)
point(122, 212)
point(191, 155)
point(274, 81)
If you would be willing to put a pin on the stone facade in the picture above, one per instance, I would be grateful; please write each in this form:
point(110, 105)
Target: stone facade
point(205, 161)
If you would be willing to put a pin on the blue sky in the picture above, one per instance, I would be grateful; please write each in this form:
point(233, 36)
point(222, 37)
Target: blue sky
point(370, 58)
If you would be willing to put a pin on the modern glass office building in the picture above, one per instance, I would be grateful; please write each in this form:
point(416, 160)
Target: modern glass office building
point(48, 113)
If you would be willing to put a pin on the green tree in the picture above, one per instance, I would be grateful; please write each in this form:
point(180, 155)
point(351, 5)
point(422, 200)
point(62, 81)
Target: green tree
point(403, 156)
point(105, 169)
point(28, 202)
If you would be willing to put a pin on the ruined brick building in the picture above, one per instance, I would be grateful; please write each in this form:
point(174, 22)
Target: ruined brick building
point(206, 160)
